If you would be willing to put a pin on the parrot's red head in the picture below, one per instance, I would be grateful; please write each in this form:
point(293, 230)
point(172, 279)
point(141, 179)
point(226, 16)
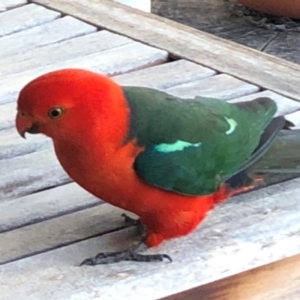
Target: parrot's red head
point(67, 101)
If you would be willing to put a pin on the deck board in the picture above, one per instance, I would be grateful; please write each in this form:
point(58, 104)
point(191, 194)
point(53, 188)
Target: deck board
point(63, 230)
point(12, 145)
point(30, 173)
point(7, 4)
point(222, 86)
point(44, 205)
point(61, 52)
point(25, 17)
point(238, 227)
point(166, 75)
point(51, 32)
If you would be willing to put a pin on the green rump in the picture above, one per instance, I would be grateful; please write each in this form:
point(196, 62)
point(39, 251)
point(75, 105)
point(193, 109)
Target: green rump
point(194, 145)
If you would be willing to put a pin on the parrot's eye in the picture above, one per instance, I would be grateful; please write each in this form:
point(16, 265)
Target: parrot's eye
point(56, 112)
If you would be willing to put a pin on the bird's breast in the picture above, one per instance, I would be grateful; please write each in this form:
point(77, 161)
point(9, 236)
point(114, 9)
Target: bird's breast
point(106, 173)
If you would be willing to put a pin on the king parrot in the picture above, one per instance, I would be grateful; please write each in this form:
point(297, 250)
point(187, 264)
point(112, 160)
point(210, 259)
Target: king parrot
point(166, 159)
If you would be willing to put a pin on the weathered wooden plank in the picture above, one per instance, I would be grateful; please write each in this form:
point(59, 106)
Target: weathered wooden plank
point(62, 230)
point(225, 56)
point(6, 4)
point(7, 115)
point(29, 173)
point(25, 17)
point(218, 249)
point(11, 144)
point(166, 75)
point(221, 86)
point(275, 281)
point(284, 104)
point(111, 62)
point(44, 205)
point(144, 5)
point(52, 32)
point(62, 52)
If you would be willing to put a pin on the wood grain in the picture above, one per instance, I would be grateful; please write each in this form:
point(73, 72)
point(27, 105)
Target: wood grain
point(63, 230)
point(25, 17)
point(166, 75)
point(13, 145)
point(247, 64)
point(219, 248)
point(30, 173)
point(7, 115)
point(61, 52)
point(45, 205)
point(275, 281)
point(7, 4)
point(222, 86)
point(51, 32)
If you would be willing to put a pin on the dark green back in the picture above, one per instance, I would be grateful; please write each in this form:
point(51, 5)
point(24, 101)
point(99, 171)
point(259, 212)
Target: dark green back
point(192, 146)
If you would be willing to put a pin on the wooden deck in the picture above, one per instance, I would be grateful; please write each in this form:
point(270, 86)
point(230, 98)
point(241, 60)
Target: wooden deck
point(248, 248)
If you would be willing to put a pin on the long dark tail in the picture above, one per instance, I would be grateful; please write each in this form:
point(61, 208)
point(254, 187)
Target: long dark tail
point(283, 155)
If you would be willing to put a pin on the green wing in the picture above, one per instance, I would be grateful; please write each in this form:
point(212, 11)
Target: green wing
point(192, 146)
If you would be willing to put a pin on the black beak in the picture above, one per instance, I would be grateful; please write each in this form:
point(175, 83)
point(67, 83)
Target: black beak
point(34, 129)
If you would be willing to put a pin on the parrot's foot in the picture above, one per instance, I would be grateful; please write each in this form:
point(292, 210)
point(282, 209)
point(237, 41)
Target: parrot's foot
point(126, 255)
point(134, 222)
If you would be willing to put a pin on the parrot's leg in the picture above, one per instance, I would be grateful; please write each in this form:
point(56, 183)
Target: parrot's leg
point(134, 222)
point(130, 254)
point(131, 221)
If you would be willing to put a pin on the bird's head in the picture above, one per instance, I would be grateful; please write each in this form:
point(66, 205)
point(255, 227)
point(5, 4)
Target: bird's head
point(65, 102)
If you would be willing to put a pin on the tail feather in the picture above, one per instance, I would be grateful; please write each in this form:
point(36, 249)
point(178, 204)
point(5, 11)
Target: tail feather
point(275, 159)
point(283, 155)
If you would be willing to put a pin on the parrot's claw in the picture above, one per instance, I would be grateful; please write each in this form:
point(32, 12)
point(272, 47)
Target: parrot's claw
point(114, 257)
point(126, 255)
